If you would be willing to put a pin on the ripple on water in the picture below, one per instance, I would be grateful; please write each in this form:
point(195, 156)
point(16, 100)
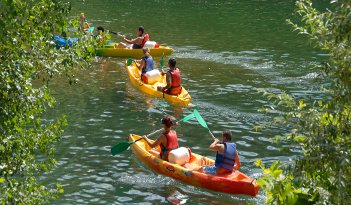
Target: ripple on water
point(248, 138)
point(257, 59)
point(249, 154)
point(124, 198)
point(243, 143)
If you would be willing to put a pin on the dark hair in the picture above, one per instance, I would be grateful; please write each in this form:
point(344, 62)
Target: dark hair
point(100, 28)
point(167, 121)
point(227, 134)
point(172, 62)
point(141, 28)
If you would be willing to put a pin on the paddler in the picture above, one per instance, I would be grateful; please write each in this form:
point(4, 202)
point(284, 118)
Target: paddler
point(136, 43)
point(227, 156)
point(83, 24)
point(101, 35)
point(173, 79)
point(146, 63)
point(168, 141)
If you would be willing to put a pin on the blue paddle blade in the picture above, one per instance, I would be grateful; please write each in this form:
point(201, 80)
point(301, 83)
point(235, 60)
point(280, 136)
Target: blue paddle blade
point(200, 119)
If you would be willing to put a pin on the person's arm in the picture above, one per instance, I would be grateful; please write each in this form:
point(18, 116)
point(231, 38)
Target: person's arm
point(216, 146)
point(141, 65)
point(155, 143)
point(127, 40)
point(168, 80)
point(237, 161)
point(133, 41)
point(169, 83)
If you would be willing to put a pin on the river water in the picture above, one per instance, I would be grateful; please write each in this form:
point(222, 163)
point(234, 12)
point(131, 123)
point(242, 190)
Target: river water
point(226, 50)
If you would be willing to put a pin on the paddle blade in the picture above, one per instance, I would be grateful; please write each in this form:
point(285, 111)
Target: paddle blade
point(120, 147)
point(187, 118)
point(129, 61)
point(162, 63)
point(200, 119)
point(91, 29)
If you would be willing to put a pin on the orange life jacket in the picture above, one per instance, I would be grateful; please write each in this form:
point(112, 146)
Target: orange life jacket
point(172, 143)
point(146, 38)
point(176, 87)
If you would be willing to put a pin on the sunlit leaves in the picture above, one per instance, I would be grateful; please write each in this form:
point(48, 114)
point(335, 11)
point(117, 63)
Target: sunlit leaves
point(28, 61)
point(322, 128)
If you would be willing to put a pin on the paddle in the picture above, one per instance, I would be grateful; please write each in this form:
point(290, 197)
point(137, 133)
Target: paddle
point(120, 147)
point(116, 33)
point(91, 29)
point(162, 63)
point(130, 61)
point(119, 34)
point(202, 122)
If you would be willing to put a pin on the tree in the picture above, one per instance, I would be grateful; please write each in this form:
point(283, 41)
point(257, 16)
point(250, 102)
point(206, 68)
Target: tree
point(322, 128)
point(28, 61)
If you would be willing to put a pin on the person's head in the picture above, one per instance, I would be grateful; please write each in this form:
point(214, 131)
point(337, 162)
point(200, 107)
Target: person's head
point(82, 17)
point(167, 122)
point(100, 28)
point(172, 62)
point(146, 50)
point(140, 31)
point(227, 136)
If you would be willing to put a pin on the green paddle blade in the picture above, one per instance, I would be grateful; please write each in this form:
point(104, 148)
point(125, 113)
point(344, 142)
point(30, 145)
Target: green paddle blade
point(120, 147)
point(162, 63)
point(187, 118)
point(129, 61)
point(91, 29)
point(200, 119)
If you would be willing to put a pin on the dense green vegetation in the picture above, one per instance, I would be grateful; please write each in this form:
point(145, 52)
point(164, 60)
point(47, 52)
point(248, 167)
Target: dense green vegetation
point(28, 61)
point(320, 127)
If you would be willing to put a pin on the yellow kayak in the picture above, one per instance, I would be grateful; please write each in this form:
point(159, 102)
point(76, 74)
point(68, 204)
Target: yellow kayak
point(151, 89)
point(110, 51)
point(233, 183)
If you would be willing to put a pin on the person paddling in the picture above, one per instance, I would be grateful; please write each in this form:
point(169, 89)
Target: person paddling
point(173, 79)
point(227, 156)
point(138, 42)
point(83, 24)
point(146, 63)
point(168, 141)
point(101, 35)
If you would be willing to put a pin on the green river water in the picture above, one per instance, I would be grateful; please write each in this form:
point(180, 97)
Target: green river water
point(226, 50)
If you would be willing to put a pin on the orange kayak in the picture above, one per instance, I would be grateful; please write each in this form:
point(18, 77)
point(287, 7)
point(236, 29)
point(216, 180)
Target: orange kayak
point(234, 183)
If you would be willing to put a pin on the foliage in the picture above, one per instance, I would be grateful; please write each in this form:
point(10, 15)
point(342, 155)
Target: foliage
point(321, 127)
point(28, 61)
point(280, 188)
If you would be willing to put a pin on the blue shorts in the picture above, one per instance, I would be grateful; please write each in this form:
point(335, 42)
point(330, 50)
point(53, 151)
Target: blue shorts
point(209, 169)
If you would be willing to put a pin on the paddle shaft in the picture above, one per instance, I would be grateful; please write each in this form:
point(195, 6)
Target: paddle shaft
point(120, 147)
point(152, 133)
point(118, 34)
point(157, 131)
point(213, 137)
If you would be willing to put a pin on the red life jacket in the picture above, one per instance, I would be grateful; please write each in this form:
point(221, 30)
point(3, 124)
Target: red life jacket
point(172, 143)
point(146, 38)
point(176, 87)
